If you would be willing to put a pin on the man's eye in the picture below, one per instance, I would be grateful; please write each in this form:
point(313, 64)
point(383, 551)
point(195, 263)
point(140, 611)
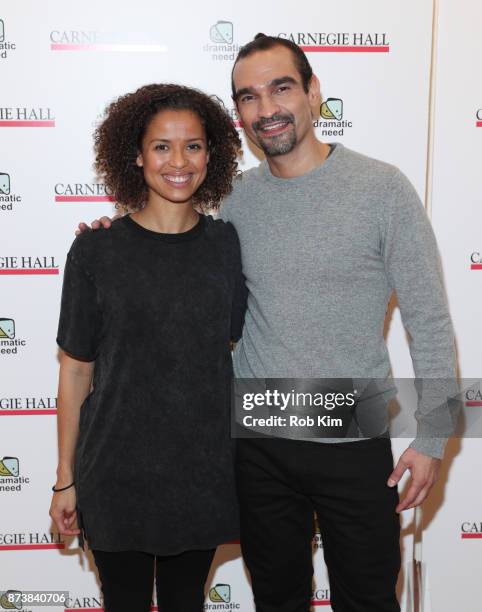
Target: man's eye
point(247, 98)
point(282, 88)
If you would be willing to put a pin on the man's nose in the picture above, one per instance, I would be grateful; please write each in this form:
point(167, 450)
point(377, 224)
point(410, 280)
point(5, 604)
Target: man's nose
point(268, 107)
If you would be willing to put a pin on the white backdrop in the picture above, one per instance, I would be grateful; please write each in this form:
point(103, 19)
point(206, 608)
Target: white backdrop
point(61, 63)
point(452, 547)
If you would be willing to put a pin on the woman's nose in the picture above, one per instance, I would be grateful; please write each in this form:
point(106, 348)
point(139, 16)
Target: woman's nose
point(178, 158)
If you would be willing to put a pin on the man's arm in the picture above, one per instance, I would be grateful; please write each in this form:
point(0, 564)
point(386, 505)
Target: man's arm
point(414, 271)
point(106, 222)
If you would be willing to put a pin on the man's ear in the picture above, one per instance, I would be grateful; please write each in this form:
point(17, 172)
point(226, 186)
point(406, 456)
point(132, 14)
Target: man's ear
point(314, 95)
point(139, 160)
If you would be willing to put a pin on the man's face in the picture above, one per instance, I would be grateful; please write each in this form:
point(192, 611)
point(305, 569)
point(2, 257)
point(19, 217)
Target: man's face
point(271, 102)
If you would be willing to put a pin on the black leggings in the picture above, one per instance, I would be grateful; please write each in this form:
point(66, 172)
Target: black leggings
point(128, 577)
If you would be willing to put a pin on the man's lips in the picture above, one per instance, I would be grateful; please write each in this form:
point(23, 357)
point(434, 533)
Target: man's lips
point(274, 128)
point(177, 180)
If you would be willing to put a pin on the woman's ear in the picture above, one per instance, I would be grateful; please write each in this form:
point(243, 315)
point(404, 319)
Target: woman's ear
point(139, 160)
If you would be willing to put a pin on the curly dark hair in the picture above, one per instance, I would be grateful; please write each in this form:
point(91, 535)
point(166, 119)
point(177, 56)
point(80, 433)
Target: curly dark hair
point(118, 141)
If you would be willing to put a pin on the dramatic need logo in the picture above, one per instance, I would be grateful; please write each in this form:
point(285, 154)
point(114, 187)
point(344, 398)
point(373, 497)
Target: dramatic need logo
point(332, 121)
point(222, 46)
point(220, 592)
point(11, 481)
point(9, 467)
point(6, 46)
point(476, 261)
point(11, 600)
point(220, 598)
point(9, 343)
point(7, 197)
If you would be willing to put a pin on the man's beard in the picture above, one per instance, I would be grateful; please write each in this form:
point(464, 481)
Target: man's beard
point(276, 145)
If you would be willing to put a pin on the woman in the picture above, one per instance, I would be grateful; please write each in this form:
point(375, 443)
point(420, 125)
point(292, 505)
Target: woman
point(148, 310)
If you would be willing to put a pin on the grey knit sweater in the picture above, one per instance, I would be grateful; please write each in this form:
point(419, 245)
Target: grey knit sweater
point(322, 254)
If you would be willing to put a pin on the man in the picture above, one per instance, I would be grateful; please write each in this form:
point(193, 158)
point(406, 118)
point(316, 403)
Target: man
point(326, 235)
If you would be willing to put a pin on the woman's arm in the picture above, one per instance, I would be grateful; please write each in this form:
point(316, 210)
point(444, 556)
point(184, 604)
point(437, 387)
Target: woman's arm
point(75, 380)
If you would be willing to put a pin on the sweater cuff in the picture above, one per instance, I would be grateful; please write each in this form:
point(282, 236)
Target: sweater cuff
point(432, 447)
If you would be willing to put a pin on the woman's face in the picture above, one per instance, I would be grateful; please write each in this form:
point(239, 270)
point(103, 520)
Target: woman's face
point(174, 155)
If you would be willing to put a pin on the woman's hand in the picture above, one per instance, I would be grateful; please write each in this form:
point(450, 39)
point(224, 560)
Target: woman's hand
point(63, 513)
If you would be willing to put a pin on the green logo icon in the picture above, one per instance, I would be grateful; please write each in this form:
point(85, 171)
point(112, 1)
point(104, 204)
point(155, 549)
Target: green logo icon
point(7, 328)
point(220, 592)
point(9, 466)
point(332, 108)
point(11, 600)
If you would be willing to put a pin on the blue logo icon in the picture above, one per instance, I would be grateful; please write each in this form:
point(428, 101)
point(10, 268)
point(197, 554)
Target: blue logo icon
point(4, 183)
point(220, 593)
point(222, 32)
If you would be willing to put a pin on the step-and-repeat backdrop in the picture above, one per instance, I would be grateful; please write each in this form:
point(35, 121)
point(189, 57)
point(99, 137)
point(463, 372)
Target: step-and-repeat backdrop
point(60, 65)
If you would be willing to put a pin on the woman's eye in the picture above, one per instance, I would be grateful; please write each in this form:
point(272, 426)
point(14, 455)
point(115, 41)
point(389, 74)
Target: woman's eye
point(160, 147)
point(195, 147)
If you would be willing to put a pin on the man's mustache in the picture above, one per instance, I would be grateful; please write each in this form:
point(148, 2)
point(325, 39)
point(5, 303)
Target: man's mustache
point(274, 119)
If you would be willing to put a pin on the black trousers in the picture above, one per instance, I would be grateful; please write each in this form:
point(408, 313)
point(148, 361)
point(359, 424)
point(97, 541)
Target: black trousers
point(127, 580)
point(280, 483)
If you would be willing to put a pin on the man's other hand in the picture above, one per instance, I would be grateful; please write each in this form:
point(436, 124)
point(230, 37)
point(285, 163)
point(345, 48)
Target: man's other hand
point(424, 473)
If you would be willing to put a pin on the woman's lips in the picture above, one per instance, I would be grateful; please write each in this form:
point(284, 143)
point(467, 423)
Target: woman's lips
point(177, 180)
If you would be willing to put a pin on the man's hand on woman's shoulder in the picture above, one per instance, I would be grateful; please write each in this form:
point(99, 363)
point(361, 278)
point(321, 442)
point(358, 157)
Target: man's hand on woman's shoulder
point(104, 222)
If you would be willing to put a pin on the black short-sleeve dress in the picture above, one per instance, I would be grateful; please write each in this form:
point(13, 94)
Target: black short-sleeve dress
point(154, 461)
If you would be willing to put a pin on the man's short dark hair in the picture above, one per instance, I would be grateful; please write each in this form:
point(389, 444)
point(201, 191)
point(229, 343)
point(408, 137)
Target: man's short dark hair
point(262, 42)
